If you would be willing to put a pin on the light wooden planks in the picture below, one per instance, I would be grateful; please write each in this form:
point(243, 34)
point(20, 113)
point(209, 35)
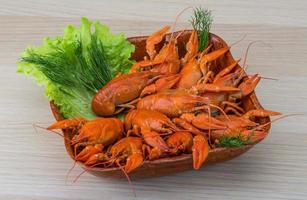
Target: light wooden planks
point(34, 165)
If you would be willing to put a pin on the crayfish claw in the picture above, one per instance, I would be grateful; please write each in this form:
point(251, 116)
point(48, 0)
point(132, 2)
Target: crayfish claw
point(95, 158)
point(254, 136)
point(134, 161)
point(260, 113)
point(200, 151)
point(154, 153)
point(88, 151)
point(249, 85)
point(67, 123)
point(154, 39)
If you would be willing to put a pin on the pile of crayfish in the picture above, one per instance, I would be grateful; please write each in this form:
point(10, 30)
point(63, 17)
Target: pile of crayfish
point(173, 105)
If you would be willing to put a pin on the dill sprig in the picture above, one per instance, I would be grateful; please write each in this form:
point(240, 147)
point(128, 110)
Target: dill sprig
point(201, 22)
point(233, 141)
point(81, 71)
point(95, 71)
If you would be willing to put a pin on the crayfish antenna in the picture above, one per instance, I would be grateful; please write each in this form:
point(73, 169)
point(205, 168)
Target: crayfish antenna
point(276, 119)
point(69, 171)
point(209, 120)
point(35, 126)
point(85, 169)
point(244, 66)
point(128, 178)
point(79, 175)
point(237, 42)
point(221, 110)
point(181, 32)
point(266, 78)
point(78, 158)
point(246, 52)
point(73, 166)
point(176, 20)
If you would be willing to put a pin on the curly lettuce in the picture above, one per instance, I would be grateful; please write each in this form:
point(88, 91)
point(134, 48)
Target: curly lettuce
point(73, 67)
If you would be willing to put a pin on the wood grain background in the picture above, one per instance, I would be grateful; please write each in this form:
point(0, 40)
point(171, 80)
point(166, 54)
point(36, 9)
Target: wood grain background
point(33, 165)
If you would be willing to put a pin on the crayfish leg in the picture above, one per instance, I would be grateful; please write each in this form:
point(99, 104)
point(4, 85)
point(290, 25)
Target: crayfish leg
point(206, 50)
point(206, 79)
point(187, 126)
point(233, 110)
point(161, 84)
point(153, 139)
point(230, 106)
point(202, 88)
point(226, 70)
point(211, 57)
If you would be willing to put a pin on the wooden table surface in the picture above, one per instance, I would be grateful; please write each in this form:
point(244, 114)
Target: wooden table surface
point(34, 165)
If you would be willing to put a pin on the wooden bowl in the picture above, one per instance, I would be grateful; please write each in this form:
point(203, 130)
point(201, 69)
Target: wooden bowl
point(165, 166)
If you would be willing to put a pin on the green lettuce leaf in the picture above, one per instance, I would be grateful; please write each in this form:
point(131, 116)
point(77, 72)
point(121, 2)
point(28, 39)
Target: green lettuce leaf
point(73, 67)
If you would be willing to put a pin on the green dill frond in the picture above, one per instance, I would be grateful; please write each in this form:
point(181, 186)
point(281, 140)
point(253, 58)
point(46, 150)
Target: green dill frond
point(231, 141)
point(201, 22)
point(89, 72)
point(234, 141)
point(53, 65)
point(95, 71)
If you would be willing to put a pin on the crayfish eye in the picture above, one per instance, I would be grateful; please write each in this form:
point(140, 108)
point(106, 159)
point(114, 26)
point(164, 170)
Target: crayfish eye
point(196, 104)
point(215, 113)
point(165, 126)
point(151, 76)
point(197, 112)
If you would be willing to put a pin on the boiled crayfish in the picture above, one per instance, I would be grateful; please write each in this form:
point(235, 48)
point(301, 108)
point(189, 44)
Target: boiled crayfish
point(119, 92)
point(178, 104)
point(94, 135)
